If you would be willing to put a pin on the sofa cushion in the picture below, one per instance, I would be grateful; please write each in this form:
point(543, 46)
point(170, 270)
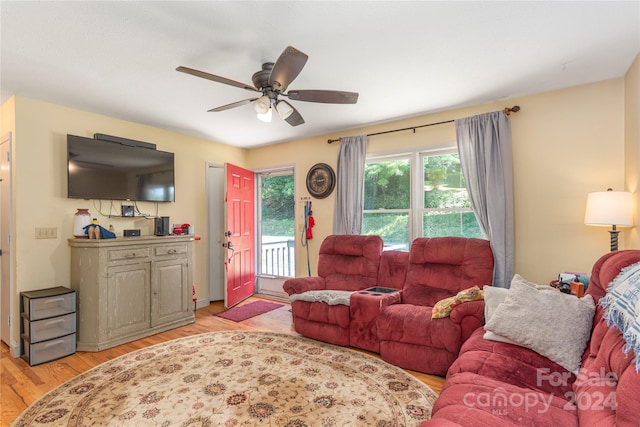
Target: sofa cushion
point(541, 318)
point(471, 399)
point(513, 364)
point(321, 313)
point(440, 267)
point(349, 263)
point(493, 297)
point(412, 324)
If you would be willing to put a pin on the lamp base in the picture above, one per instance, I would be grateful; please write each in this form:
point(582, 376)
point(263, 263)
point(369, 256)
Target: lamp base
point(614, 239)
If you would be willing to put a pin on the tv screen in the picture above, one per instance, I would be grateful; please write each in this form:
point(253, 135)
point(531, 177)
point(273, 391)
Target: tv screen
point(100, 169)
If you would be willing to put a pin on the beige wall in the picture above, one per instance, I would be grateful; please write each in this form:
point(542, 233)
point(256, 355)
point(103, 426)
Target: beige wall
point(39, 163)
point(566, 143)
point(632, 142)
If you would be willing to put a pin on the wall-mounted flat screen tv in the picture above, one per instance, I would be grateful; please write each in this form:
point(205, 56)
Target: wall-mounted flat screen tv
point(99, 169)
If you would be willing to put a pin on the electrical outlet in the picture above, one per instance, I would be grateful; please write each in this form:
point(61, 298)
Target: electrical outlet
point(46, 232)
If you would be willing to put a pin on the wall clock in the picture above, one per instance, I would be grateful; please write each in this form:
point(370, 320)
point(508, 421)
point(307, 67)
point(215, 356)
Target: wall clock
point(321, 180)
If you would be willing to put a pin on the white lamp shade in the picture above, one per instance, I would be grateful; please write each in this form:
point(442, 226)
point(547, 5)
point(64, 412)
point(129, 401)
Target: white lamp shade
point(284, 109)
point(262, 104)
point(266, 117)
point(609, 208)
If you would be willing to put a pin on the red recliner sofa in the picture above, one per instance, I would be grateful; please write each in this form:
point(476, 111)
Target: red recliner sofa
point(438, 268)
point(499, 384)
point(398, 325)
point(345, 263)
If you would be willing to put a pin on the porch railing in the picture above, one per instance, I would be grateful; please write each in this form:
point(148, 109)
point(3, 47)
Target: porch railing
point(278, 258)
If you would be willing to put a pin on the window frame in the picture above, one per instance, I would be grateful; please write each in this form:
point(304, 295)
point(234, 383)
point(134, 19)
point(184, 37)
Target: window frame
point(416, 158)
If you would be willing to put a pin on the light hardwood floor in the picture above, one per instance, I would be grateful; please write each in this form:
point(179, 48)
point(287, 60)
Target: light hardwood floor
point(21, 384)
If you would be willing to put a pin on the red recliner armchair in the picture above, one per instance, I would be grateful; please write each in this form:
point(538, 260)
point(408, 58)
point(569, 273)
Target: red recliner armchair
point(345, 263)
point(438, 268)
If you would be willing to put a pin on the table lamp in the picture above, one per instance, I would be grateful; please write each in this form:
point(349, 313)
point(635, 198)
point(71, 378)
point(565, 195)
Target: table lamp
point(614, 208)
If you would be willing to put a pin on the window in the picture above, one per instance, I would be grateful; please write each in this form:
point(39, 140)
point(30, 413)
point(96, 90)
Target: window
point(387, 201)
point(417, 194)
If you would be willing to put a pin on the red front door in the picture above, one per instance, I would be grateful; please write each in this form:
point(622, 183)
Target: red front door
point(240, 236)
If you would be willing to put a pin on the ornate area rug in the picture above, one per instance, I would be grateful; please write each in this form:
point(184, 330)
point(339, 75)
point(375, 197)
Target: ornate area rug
point(237, 378)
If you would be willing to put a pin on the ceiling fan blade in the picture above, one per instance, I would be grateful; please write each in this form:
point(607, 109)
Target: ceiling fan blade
point(295, 118)
point(324, 96)
point(287, 67)
point(215, 78)
point(232, 105)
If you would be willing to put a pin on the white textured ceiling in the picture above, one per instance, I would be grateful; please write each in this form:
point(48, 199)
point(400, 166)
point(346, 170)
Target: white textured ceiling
point(404, 58)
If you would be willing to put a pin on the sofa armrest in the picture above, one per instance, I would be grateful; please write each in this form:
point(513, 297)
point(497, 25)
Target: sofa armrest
point(469, 315)
point(299, 285)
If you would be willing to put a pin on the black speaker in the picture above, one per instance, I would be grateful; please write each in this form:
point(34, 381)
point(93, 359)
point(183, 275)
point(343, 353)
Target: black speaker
point(162, 226)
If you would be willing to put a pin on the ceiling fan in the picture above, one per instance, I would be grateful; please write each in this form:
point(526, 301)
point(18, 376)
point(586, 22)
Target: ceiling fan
point(272, 81)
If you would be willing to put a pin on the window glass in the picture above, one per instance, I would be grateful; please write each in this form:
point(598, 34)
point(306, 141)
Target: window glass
point(447, 208)
point(277, 224)
point(387, 201)
point(440, 206)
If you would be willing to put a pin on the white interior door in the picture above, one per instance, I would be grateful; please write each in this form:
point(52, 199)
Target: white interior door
point(216, 252)
point(6, 312)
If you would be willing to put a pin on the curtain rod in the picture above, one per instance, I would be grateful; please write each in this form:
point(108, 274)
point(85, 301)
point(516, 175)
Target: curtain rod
point(507, 111)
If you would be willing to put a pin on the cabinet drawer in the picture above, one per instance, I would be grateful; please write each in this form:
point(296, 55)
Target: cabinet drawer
point(46, 329)
point(47, 351)
point(129, 253)
point(43, 308)
point(170, 250)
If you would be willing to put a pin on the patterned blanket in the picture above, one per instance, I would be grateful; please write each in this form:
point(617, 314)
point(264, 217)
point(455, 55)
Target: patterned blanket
point(622, 308)
point(328, 296)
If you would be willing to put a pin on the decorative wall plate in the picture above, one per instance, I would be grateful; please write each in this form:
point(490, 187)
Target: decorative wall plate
point(321, 180)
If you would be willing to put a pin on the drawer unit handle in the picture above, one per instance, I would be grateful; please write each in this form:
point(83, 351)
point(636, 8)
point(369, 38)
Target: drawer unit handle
point(131, 255)
point(52, 300)
point(50, 344)
point(54, 321)
point(171, 251)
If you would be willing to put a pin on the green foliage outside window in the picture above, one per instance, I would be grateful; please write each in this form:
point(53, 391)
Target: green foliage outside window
point(278, 205)
point(388, 186)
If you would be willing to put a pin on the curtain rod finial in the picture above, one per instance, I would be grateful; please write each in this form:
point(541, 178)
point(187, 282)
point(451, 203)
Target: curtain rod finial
point(513, 109)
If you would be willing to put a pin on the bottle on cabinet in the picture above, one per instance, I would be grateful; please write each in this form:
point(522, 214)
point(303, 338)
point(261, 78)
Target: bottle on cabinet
point(82, 218)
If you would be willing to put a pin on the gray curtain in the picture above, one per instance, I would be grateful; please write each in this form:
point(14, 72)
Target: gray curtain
point(347, 217)
point(484, 146)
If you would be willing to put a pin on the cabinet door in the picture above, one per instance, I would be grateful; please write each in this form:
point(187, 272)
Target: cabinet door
point(128, 296)
point(171, 291)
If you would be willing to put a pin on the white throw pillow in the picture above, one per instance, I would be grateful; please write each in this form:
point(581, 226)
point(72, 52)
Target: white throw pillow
point(541, 318)
point(493, 297)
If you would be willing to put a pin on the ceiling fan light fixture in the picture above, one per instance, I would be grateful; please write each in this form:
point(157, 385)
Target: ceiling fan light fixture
point(284, 109)
point(265, 117)
point(262, 104)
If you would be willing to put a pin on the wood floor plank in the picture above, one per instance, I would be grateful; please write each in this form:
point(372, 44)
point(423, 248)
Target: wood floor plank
point(21, 384)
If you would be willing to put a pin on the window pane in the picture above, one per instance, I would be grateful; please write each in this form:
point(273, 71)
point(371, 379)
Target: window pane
point(393, 227)
point(278, 226)
point(447, 200)
point(387, 185)
point(444, 185)
point(447, 223)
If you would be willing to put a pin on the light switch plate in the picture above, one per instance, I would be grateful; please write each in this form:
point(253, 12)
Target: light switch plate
point(46, 232)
